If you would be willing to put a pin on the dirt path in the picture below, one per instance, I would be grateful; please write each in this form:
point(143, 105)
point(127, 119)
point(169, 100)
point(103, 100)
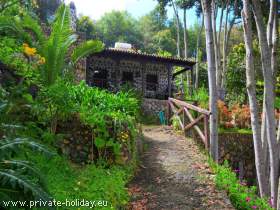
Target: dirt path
point(173, 175)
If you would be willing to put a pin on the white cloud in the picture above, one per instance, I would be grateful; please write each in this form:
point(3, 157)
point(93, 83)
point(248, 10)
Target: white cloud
point(96, 8)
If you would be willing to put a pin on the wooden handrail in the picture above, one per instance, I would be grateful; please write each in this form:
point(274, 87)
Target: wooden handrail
point(190, 106)
point(182, 108)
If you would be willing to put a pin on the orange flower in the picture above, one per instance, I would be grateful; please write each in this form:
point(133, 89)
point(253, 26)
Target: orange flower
point(29, 51)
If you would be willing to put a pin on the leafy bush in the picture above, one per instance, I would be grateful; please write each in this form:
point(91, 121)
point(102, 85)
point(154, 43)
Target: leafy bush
point(201, 96)
point(111, 117)
point(234, 117)
point(235, 82)
point(12, 54)
point(242, 197)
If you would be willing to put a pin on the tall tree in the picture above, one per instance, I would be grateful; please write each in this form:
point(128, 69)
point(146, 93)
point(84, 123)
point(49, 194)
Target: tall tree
point(198, 43)
point(207, 12)
point(254, 110)
point(172, 3)
point(264, 41)
point(118, 26)
point(268, 131)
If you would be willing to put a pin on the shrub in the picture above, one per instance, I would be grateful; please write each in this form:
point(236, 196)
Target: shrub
point(201, 96)
point(110, 117)
point(237, 116)
point(92, 182)
point(242, 197)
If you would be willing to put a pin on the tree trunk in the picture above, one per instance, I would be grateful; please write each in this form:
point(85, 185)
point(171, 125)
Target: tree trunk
point(274, 43)
point(269, 97)
point(224, 44)
point(197, 54)
point(251, 90)
point(178, 28)
point(187, 74)
point(206, 5)
point(217, 53)
point(185, 34)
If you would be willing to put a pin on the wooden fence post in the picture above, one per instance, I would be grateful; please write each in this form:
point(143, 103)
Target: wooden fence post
point(206, 132)
point(168, 112)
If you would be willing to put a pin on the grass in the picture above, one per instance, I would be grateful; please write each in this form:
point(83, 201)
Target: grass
point(235, 130)
point(92, 182)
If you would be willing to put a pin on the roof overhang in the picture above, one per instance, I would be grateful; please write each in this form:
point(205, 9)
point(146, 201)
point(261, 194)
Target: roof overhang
point(134, 55)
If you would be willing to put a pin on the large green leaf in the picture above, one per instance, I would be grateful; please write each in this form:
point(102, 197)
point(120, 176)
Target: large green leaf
point(10, 145)
point(57, 46)
point(15, 180)
point(86, 48)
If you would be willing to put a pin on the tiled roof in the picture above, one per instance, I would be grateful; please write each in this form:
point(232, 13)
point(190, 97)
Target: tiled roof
point(144, 56)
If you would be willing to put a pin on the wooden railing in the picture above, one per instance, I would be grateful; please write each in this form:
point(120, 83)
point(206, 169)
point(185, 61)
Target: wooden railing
point(182, 111)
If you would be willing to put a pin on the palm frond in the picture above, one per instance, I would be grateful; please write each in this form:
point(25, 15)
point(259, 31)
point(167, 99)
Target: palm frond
point(56, 47)
point(32, 25)
point(86, 48)
point(11, 25)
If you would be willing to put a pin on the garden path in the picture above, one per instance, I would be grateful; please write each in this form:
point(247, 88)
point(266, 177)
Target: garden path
point(174, 175)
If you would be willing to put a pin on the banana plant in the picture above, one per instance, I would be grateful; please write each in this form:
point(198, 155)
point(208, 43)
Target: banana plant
point(59, 49)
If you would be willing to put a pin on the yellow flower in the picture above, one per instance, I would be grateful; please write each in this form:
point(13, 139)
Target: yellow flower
point(29, 51)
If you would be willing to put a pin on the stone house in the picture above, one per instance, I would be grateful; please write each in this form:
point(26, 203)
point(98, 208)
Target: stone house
point(151, 75)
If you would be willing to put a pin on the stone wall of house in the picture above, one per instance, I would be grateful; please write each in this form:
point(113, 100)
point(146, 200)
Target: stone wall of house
point(153, 106)
point(95, 63)
point(140, 71)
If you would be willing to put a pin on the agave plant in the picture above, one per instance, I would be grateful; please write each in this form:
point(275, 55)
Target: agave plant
point(19, 179)
point(54, 49)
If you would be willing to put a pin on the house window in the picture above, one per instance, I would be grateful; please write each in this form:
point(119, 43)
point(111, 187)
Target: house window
point(151, 82)
point(100, 78)
point(127, 77)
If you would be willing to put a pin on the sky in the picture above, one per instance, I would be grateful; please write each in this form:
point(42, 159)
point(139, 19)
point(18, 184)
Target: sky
point(137, 8)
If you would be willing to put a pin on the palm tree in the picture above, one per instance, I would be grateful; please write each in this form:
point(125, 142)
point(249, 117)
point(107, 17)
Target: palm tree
point(55, 49)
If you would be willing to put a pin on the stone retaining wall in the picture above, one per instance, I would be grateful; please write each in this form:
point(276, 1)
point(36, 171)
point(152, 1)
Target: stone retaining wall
point(153, 106)
point(238, 150)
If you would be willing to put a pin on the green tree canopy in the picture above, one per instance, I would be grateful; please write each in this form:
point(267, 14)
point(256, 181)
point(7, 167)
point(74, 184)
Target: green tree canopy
point(118, 26)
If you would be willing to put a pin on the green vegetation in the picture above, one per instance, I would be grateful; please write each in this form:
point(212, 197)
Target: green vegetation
point(93, 182)
point(235, 130)
point(199, 96)
point(242, 197)
point(38, 97)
